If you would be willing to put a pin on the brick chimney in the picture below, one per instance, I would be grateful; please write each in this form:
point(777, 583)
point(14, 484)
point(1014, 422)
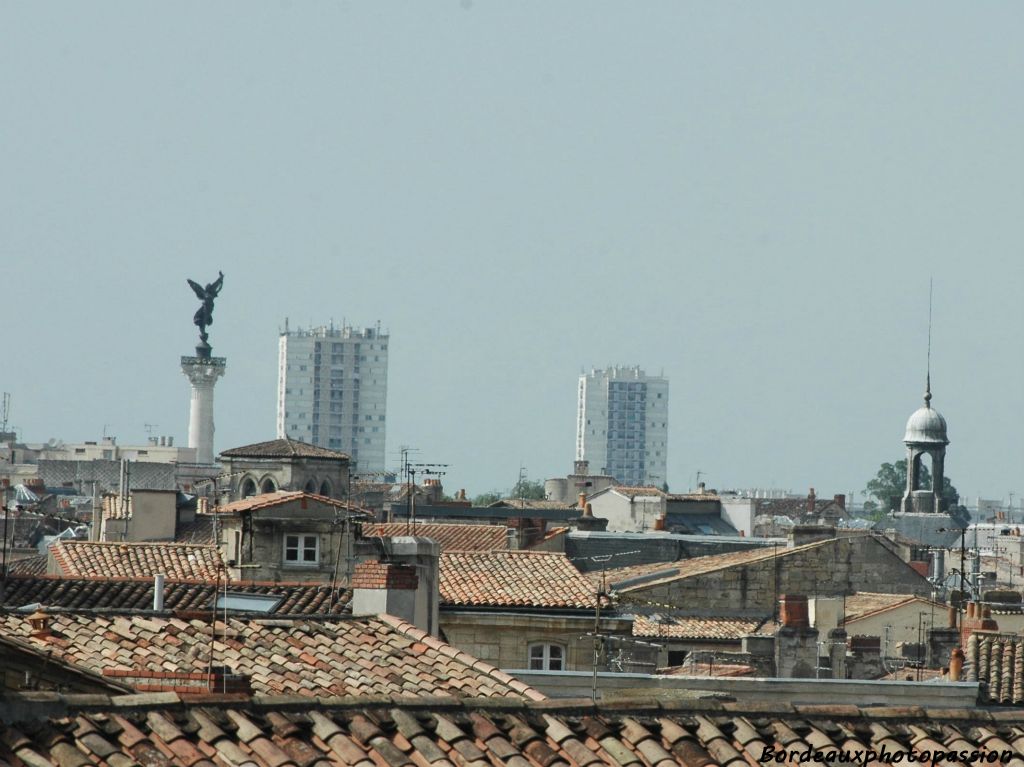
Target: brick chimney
point(404, 582)
point(811, 502)
point(796, 643)
point(840, 501)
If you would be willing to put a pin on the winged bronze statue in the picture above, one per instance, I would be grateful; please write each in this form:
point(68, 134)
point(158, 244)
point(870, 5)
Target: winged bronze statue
point(204, 316)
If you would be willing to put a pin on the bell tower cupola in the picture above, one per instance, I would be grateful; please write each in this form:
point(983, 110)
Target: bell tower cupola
point(926, 442)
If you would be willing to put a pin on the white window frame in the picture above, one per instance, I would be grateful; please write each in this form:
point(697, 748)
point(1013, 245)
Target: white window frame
point(548, 655)
point(299, 545)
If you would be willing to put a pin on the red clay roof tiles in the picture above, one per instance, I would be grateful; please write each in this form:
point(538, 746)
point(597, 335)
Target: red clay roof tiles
point(88, 559)
point(513, 579)
point(282, 497)
point(690, 627)
point(366, 656)
point(452, 537)
point(211, 731)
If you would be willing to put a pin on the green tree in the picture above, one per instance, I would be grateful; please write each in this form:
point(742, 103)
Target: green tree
point(486, 499)
point(531, 490)
point(891, 482)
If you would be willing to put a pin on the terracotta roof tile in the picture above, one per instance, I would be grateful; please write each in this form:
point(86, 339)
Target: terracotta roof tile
point(639, 490)
point(452, 537)
point(421, 731)
point(87, 559)
point(864, 603)
point(514, 579)
point(996, 660)
point(282, 497)
point(339, 657)
point(698, 668)
point(692, 627)
point(282, 448)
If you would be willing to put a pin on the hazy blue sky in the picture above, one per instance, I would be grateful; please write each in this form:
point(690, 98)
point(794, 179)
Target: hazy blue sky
point(750, 197)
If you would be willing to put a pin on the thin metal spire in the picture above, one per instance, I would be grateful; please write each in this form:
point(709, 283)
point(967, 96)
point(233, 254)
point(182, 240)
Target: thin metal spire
point(928, 375)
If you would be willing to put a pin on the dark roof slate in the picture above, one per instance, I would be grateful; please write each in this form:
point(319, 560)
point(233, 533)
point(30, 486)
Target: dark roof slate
point(137, 595)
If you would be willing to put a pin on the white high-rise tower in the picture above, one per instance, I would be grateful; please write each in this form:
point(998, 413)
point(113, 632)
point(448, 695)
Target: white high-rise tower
point(622, 425)
point(332, 388)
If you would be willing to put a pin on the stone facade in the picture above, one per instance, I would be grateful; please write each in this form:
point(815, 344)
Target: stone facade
point(257, 543)
point(504, 639)
point(284, 465)
point(830, 568)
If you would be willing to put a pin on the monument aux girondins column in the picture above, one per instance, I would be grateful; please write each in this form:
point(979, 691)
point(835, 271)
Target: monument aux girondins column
point(203, 370)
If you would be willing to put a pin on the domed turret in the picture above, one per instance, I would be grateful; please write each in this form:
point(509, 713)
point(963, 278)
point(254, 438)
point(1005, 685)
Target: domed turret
point(925, 438)
point(926, 426)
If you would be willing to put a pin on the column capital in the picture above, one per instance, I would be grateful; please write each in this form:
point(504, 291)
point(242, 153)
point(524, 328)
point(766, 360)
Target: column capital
point(202, 371)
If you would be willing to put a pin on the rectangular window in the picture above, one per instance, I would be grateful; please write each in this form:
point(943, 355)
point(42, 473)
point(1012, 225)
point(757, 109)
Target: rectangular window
point(301, 550)
point(546, 657)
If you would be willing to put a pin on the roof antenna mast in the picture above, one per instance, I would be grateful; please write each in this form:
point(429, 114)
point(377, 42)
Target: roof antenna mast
point(928, 374)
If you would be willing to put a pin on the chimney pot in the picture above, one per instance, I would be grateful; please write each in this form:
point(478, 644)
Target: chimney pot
point(956, 664)
point(158, 592)
point(588, 510)
point(40, 623)
point(583, 501)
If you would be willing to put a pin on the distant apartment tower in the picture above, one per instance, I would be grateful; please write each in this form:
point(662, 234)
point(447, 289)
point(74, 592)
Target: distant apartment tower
point(332, 386)
point(622, 425)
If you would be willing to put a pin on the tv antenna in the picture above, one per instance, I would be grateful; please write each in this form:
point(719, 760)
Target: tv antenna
point(5, 410)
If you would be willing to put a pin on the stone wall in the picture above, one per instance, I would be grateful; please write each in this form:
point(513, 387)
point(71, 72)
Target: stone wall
point(832, 568)
point(504, 639)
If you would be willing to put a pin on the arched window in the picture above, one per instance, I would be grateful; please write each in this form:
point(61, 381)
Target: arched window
point(248, 487)
point(547, 657)
point(310, 486)
point(268, 486)
point(325, 488)
point(923, 472)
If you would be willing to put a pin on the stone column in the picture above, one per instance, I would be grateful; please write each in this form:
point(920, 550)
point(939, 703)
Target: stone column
point(202, 373)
